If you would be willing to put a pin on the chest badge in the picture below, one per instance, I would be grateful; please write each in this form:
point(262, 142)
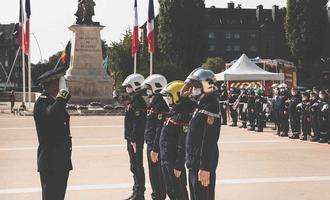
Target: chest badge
point(160, 116)
point(185, 129)
point(210, 120)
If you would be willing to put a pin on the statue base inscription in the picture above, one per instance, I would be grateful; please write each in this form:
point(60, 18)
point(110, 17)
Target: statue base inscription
point(86, 78)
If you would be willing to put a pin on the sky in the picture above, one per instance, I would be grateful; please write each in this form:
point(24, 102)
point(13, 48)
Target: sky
point(50, 19)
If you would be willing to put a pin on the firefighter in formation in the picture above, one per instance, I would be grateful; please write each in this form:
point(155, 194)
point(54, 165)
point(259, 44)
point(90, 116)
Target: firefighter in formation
point(180, 127)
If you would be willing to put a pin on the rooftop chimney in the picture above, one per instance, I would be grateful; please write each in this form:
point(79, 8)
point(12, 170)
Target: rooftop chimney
point(275, 13)
point(260, 13)
point(231, 5)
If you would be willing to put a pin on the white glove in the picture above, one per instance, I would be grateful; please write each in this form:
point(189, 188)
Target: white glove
point(325, 107)
point(62, 84)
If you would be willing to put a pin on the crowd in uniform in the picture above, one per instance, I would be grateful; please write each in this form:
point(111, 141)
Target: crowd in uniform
point(296, 114)
point(179, 124)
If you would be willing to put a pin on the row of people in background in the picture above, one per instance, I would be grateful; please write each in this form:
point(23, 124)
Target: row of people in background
point(296, 114)
point(180, 127)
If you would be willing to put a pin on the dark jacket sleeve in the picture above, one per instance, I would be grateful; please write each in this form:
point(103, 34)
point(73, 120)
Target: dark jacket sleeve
point(159, 125)
point(46, 110)
point(180, 159)
point(138, 121)
point(209, 142)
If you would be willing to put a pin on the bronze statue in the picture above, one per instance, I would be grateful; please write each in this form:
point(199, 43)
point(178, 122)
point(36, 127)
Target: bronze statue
point(85, 12)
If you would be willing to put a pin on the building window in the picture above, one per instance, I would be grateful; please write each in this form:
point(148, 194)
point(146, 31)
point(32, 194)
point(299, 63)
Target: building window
point(211, 47)
point(237, 48)
point(228, 48)
point(211, 35)
point(228, 36)
point(253, 36)
point(253, 48)
point(237, 36)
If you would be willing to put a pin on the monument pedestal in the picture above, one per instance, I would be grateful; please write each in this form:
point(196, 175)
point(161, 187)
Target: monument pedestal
point(86, 78)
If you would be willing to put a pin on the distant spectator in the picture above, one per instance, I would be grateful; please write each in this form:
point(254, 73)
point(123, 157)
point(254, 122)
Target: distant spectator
point(12, 101)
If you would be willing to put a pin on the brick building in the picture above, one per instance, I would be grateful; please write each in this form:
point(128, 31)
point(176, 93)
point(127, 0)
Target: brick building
point(256, 32)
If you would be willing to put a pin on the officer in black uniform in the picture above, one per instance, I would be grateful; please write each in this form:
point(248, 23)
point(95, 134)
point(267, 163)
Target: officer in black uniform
point(259, 112)
point(202, 151)
point(275, 103)
point(303, 110)
point(293, 114)
point(251, 104)
point(233, 95)
point(314, 119)
point(156, 114)
point(323, 116)
point(135, 119)
point(53, 128)
point(284, 113)
point(172, 141)
point(243, 106)
point(223, 103)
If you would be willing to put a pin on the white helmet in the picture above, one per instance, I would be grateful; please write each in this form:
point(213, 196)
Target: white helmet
point(135, 81)
point(156, 82)
point(205, 76)
point(283, 86)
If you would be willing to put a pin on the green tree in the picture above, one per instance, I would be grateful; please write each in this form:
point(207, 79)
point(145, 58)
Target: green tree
point(216, 64)
point(306, 31)
point(121, 62)
point(181, 38)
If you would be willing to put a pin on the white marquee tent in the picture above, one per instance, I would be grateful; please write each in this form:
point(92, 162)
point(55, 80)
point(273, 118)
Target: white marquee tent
point(245, 70)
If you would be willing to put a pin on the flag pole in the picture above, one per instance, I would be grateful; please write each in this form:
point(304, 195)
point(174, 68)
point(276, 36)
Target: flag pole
point(29, 61)
point(135, 61)
point(151, 62)
point(23, 63)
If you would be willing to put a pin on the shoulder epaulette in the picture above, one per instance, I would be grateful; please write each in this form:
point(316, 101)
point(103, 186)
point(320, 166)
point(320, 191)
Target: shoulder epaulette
point(43, 97)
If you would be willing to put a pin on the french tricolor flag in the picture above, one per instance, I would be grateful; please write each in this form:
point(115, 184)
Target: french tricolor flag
point(21, 24)
point(151, 27)
point(135, 37)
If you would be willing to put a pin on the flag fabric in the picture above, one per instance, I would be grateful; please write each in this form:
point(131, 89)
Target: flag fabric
point(135, 36)
point(151, 27)
point(64, 59)
point(21, 22)
point(106, 65)
point(27, 27)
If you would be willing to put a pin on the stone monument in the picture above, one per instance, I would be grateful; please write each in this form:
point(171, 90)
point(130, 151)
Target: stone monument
point(86, 78)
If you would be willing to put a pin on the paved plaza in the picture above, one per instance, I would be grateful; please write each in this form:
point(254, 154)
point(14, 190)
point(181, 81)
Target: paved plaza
point(253, 166)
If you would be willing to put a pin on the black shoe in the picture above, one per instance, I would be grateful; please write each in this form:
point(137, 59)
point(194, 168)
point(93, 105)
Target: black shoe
point(322, 140)
point(224, 123)
point(302, 137)
point(131, 197)
point(233, 125)
point(314, 139)
point(284, 134)
point(138, 197)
